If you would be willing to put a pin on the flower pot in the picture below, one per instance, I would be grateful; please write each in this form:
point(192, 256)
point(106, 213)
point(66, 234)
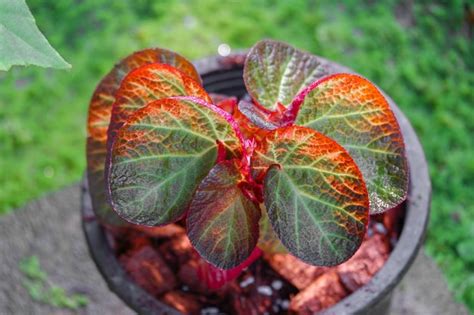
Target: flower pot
point(223, 75)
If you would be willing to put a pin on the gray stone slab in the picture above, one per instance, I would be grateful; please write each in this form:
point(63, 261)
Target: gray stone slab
point(423, 291)
point(50, 228)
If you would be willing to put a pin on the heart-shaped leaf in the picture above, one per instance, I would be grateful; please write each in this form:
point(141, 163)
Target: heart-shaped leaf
point(275, 72)
point(148, 83)
point(161, 154)
point(316, 198)
point(100, 110)
point(352, 111)
point(222, 222)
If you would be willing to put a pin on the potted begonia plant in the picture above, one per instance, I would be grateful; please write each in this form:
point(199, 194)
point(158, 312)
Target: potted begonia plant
point(279, 154)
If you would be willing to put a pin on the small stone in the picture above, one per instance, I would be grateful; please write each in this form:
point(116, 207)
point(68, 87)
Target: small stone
point(265, 290)
point(380, 228)
point(277, 284)
point(210, 311)
point(248, 281)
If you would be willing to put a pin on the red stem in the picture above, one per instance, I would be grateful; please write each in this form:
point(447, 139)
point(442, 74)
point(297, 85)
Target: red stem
point(215, 277)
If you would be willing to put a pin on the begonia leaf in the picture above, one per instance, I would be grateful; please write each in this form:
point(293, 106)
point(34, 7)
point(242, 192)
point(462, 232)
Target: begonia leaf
point(161, 154)
point(275, 72)
point(352, 111)
point(222, 223)
point(148, 83)
point(314, 193)
point(100, 110)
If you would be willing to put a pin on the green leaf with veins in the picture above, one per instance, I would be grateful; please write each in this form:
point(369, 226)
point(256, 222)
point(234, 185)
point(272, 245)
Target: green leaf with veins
point(161, 155)
point(222, 222)
point(100, 110)
point(314, 194)
point(21, 42)
point(352, 111)
point(276, 72)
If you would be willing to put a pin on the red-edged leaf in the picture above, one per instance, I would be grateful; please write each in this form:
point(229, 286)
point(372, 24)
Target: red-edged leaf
point(222, 223)
point(100, 110)
point(275, 72)
point(316, 198)
point(149, 83)
point(352, 111)
point(160, 156)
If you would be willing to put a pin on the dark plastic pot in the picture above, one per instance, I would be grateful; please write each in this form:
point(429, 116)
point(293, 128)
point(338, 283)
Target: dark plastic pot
point(223, 75)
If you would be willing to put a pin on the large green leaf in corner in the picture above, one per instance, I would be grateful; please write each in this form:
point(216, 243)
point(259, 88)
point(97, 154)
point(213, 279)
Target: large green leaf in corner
point(21, 42)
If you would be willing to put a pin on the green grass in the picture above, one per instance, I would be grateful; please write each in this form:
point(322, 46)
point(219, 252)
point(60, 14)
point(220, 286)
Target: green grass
point(43, 291)
point(426, 66)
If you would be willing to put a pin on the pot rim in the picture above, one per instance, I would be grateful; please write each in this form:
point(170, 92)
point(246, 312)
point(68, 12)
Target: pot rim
point(382, 283)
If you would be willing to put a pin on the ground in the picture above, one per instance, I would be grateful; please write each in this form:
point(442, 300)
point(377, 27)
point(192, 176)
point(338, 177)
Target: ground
point(420, 54)
point(57, 243)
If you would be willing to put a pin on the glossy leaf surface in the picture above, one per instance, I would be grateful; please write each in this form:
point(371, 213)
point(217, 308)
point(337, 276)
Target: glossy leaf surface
point(160, 156)
point(314, 193)
point(100, 110)
point(222, 223)
point(148, 83)
point(275, 72)
point(352, 111)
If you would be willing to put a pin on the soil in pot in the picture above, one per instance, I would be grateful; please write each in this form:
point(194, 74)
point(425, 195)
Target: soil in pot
point(162, 261)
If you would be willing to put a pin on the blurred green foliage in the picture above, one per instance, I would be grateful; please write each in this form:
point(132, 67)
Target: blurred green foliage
point(419, 53)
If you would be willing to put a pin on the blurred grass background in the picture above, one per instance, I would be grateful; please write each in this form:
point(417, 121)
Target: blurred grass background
point(419, 53)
